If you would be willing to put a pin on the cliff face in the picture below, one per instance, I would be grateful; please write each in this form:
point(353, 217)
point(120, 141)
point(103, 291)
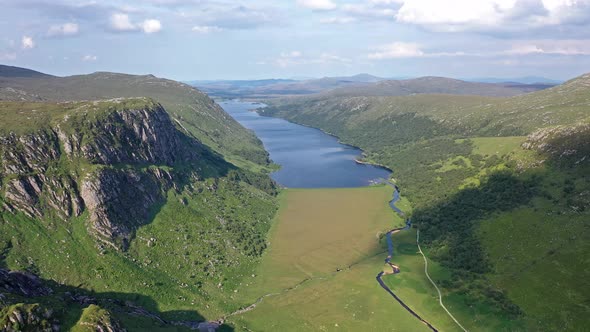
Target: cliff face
point(113, 158)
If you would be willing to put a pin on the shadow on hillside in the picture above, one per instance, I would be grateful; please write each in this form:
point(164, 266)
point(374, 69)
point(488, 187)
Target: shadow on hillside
point(208, 165)
point(449, 231)
point(448, 227)
point(134, 311)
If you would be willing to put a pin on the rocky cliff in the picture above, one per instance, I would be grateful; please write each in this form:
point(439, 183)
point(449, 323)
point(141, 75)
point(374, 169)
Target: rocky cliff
point(114, 159)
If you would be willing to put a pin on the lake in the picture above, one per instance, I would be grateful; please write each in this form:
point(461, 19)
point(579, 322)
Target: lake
point(308, 157)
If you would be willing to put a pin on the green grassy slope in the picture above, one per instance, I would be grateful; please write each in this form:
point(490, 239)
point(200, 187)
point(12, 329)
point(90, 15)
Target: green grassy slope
point(197, 245)
point(324, 254)
point(193, 110)
point(360, 85)
point(430, 85)
point(499, 189)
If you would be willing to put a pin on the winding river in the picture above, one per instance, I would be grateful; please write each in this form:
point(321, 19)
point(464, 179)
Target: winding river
point(394, 268)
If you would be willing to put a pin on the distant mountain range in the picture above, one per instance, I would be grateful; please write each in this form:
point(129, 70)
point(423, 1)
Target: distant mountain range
point(366, 84)
point(521, 80)
point(269, 88)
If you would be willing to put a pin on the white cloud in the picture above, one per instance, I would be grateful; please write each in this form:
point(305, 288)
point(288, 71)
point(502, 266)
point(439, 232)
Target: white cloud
point(151, 26)
point(369, 11)
point(522, 48)
point(338, 20)
point(295, 58)
point(332, 58)
point(459, 15)
point(385, 2)
point(66, 29)
point(8, 56)
point(317, 4)
point(288, 59)
point(397, 50)
point(453, 11)
point(551, 47)
point(27, 42)
point(89, 58)
point(121, 22)
point(204, 29)
point(291, 55)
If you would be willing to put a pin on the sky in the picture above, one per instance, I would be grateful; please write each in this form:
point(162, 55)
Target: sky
point(254, 39)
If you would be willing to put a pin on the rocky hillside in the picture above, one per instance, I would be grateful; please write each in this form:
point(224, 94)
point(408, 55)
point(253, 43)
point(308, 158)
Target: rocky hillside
point(187, 106)
point(113, 140)
point(116, 200)
point(565, 145)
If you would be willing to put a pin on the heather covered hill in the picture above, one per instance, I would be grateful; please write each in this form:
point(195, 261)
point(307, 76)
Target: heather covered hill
point(499, 189)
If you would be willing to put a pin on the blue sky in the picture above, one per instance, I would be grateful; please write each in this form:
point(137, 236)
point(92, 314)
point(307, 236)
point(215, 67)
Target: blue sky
point(222, 39)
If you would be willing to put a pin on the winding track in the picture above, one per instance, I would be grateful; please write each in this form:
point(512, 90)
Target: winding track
point(433, 284)
point(395, 269)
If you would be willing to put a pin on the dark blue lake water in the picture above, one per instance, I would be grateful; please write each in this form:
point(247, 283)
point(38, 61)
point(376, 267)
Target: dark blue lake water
point(308, 157)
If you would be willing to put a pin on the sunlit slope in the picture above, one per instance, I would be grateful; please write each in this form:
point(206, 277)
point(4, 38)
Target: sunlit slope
point(326, 248)
point(193, 110)
point(394, 120)
point(499, 188)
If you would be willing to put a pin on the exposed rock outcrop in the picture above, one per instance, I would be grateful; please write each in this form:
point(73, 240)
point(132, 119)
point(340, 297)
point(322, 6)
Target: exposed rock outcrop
point(114, 158)
point(35, 195)
point(22, 283)
point(565, 145)
point(132, 136)
point(95, 318)
point(120, 200)
point(28, 153)
point(28, 317)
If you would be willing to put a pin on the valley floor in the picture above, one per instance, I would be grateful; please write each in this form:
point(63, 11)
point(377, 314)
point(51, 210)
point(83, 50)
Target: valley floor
point(327, 246)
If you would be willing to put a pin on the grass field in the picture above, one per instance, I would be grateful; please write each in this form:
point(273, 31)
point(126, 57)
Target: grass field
point(497, 145)
point(550, 282)
point(319, 231)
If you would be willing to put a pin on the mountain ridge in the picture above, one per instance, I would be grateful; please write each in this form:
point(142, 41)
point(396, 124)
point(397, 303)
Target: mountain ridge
point(193, 109)
point(10, 71)
point(130, 197)
point(362, 84)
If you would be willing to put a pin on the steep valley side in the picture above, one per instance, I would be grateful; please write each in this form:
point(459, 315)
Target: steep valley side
point(127, 218)
point(484, 175)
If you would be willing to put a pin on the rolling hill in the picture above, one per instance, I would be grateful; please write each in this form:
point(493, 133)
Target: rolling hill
point(433, 85)
point(193, 109)
point(499, 190)
point(10, 71)
point(361, 85)
point(280, 87)
point(126, 202)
